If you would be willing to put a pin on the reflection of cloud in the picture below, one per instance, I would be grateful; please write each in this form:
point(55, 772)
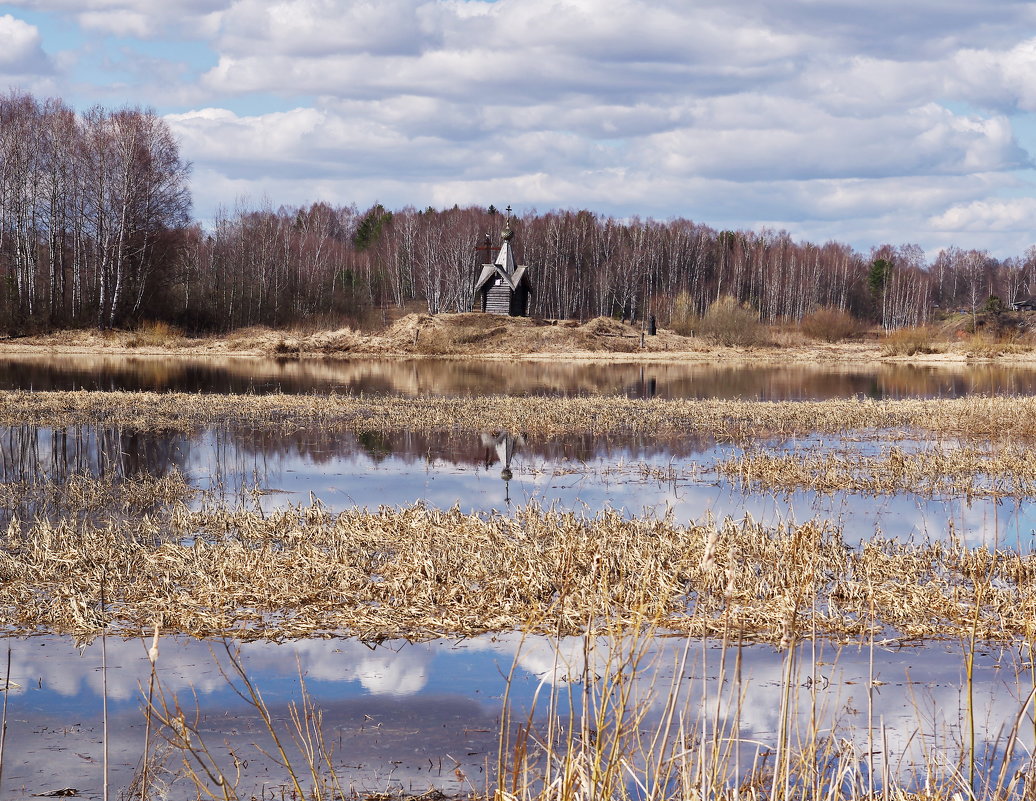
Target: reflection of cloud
point(186, 664)
point(390, 702)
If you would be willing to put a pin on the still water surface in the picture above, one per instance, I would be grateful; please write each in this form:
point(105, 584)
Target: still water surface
point(410, 716)
point(555, 377)
point(492, 471)
point(413, 716)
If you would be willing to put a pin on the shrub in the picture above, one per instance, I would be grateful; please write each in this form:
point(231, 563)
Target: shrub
point(684, 319)
point(155, 335)
point(985, 346)
point(287, 347)
point(728, 322)
point(909, 341)
point(829, 325)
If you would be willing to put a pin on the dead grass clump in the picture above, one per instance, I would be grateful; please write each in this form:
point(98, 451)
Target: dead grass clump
point(605, 334)
point(986, 346)
point(156, 334)
point(728, 322)
point(828, 324)
point(787, 337)
point(910, 342)
point(478, 321)
point(286, 347)
point(342, 340)
point(407, 329)
point(482, 336)
point(258, 338)
point(421, 334)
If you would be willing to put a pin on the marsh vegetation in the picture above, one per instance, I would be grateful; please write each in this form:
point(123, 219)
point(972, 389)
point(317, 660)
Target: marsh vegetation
point(145, 511)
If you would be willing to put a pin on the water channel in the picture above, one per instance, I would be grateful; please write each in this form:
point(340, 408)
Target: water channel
point(412, 716)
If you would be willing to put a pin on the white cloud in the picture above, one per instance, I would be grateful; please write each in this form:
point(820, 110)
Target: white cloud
point(997, 78)
point(758, 137)
point(120, 23)
point(841, 118)
point(528, 49)
point(143, 18)
point(21, 51)
point(308, 29)
point(1008, 214)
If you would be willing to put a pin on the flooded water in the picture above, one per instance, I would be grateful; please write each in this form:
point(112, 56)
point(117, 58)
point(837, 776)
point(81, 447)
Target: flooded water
point(405, 717)
point(494, 471)
point(555, 377)
point(408, 717)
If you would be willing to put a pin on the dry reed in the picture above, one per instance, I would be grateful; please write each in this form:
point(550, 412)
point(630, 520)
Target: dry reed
point(420, 573)
point(80, 493)
point(961, 472)
point(980, 417)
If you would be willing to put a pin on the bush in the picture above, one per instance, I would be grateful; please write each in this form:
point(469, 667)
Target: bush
point(728, 322)
point(684, 319)
point(155, 335)
point(830, 325)
point(909, 341)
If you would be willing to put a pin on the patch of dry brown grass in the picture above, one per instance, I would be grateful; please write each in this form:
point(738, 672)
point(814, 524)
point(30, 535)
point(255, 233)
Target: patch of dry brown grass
point(967, 471)
point(419, 573)
point(78, 494)
point(911, 341)
point(979, 417)
point(155, 335)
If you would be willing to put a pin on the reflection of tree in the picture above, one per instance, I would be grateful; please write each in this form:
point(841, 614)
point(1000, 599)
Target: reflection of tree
point(43, 469)
point(30, 454)
point(320, 446)
point(430, 377)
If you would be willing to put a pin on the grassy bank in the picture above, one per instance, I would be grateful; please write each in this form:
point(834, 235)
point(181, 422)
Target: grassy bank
point(482, 336)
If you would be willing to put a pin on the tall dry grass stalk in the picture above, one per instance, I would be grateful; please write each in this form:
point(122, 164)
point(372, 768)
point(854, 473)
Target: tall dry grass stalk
point(623, 735)
point(3, 718)
point(152, 655)
point(615, 720)
point(297, 748)
point(103, 622)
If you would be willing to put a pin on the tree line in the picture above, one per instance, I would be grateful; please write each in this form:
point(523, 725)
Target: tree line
point(95, 229)
point(92, 210)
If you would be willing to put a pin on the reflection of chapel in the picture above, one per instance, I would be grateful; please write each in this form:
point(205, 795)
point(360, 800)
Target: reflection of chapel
point(503, 288)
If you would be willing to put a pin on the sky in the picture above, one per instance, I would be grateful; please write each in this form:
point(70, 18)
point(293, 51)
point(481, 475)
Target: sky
point(861, 121)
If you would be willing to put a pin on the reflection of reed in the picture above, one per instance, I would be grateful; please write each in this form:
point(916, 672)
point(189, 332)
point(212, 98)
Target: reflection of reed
point(79, 494)
point(321, 445)
point(88, 469)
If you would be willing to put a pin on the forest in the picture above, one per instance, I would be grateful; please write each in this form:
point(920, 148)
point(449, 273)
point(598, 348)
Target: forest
point(96, 230)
